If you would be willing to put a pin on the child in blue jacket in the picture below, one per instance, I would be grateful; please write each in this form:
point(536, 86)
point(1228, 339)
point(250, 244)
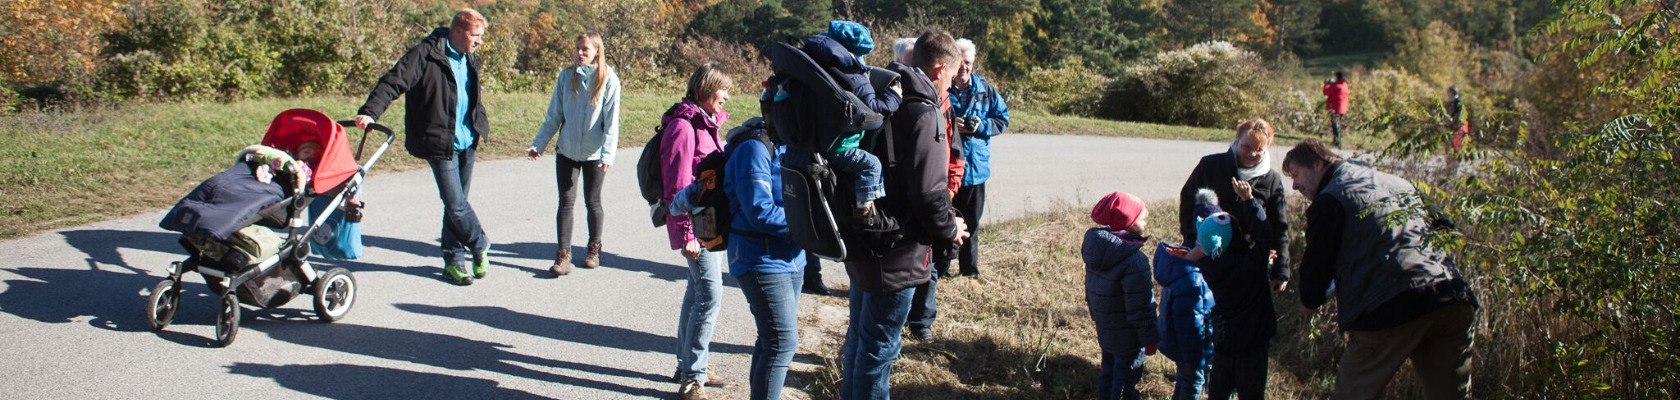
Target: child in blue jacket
point(841, 49)
point(1119, 293)
point(1186, 332)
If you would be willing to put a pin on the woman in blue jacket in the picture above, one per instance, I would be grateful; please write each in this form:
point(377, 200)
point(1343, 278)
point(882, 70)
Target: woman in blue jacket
point(769, 266)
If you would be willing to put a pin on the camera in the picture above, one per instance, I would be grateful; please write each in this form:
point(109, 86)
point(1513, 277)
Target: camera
point(971, 122)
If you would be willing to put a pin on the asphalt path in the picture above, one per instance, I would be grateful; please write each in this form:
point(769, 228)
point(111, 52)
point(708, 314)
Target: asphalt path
point(72, 300)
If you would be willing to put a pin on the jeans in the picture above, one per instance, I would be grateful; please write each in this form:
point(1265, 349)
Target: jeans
point(566, 174)
point(1244, 375)
point(872, 343)
point(868, 171)
point(1120, 374)
point(1192, 375)
point(970, 203)
point(699, 314)
point(774, 301)
point(462, 235)
point(1336, 128)
point(924, 306)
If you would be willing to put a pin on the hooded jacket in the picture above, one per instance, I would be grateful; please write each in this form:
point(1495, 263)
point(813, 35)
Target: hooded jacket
point(915, 187)
point(1186, 302)
point(429, 118)
point(1118, 290)
point(587, 131)
point(758, 238)
point(829, 53)
point(980, 100)
point(690, 134)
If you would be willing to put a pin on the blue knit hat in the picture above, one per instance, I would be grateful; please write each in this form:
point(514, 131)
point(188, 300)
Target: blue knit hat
point(853, 35)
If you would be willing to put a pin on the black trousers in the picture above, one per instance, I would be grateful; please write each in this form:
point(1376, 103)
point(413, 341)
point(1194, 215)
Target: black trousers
point(566, 172)
point(970, 203)
point(1243, 375)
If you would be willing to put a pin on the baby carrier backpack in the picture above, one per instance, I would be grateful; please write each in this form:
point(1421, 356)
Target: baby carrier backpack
point(811, 110)
point(711, 217)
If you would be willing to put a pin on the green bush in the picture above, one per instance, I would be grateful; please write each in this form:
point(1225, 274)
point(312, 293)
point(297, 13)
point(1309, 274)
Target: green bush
point(1212, 84)
point(1067, 89)
point(1569, 239)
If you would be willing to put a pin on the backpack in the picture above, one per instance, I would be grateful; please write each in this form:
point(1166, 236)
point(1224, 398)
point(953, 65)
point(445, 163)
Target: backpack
point(711, 217)
point(651, 177)
point(811, 110)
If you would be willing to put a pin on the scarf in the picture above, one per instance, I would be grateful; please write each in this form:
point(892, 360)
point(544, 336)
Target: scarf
point(1259, 170)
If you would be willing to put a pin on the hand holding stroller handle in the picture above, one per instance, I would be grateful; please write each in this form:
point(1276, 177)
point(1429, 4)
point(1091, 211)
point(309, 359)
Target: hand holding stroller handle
point(372, 127)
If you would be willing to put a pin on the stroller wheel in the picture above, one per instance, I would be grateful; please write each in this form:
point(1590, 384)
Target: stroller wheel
point(161, 306)
point(227, 321)
point(335, 293)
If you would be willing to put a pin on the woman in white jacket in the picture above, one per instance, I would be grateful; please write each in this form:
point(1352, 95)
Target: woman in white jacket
point(584, 111)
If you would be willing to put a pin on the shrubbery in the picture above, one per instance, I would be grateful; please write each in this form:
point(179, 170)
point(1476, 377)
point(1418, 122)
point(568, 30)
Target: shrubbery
point(1066, 89)
point(1211, 84)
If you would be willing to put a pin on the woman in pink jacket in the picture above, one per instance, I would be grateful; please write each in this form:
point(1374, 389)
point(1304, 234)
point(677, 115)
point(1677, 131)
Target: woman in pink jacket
point(693, 130)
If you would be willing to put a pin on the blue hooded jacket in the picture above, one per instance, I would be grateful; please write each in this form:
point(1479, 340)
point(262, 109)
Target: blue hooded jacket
point(1118, 290)
point(830, 53)
point(753, 185)
point(980, 100)
point(1186, 301)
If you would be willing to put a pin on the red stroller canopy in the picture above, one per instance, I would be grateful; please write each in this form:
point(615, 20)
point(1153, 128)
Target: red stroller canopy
point(298, 126)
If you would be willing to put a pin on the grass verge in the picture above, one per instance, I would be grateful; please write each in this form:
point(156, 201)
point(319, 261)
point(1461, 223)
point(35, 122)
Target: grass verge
point(1024, 332)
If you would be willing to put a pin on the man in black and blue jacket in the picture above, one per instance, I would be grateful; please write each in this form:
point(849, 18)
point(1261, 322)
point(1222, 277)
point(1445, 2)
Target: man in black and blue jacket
point(444, 123)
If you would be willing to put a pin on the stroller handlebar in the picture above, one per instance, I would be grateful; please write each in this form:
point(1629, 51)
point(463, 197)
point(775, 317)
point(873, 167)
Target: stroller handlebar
point(347, 123)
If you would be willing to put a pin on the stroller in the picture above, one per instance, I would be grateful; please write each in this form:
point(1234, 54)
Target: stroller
point(225, 224)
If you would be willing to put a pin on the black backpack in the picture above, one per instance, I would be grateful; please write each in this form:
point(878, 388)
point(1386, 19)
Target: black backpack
point(711, 217)
point(811, 110)
point(651, 177)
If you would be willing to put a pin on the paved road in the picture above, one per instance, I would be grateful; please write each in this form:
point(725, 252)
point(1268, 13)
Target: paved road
point(71, 300)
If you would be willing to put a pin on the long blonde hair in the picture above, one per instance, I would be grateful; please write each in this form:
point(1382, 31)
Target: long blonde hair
point(592, 38)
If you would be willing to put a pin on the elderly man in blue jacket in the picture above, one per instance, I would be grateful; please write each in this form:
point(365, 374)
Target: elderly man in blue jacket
point(979, 114)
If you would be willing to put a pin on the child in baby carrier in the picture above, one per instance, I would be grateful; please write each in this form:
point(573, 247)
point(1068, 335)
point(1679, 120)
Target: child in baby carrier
point(841, 51)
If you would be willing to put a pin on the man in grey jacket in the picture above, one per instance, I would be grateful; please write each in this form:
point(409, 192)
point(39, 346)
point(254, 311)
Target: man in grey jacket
point(1398, 299)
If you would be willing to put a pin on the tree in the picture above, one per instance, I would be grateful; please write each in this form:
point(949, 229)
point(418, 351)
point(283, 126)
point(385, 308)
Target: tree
point(1104, 33)
point(761, 22)
point(1194, 21)
point(1291, 25)
point(48, 41)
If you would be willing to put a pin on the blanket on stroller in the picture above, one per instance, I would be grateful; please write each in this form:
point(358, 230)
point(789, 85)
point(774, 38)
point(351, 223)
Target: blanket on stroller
point(221, 205)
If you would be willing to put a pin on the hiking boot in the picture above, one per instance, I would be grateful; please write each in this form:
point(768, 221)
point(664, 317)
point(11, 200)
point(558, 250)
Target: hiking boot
point(712, 380)
point(816, 287)
point(481, 263)
point(458, 274)
point(921, 335)
point(692, 390)
point(562, 262)
point(869, 214)
point(593, 260)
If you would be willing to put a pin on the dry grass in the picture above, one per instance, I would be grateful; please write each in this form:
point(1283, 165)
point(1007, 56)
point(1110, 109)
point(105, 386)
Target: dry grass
point(1023, 331)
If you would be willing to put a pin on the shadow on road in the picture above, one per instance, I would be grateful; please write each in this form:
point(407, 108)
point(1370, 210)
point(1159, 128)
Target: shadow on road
point(106, 287)
point(346, 381)
point(654, 269)
point(564, 330)
point(447, 352)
